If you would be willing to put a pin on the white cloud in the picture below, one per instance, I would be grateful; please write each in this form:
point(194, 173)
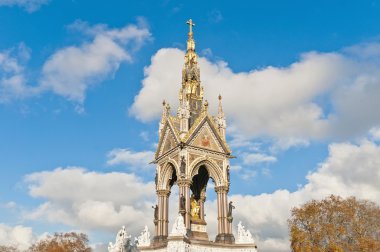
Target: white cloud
point(349, 170)
point(28, 5)
point(256, 158)
point(91, 201)
point(90, 198)
point(18, 236)
point(375, 134)
point(70, 71)
point(12, 74)
point(136, 160)
point(321, 96)
point(286, 143)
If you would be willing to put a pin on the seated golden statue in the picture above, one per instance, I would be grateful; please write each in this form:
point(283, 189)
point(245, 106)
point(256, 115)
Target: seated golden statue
point(194, 208)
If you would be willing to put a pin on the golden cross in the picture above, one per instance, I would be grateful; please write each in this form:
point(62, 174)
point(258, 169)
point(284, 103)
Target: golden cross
point(191, 24)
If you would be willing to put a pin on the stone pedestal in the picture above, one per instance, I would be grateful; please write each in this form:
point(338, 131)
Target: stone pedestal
point(225, 238)
point(198, 230)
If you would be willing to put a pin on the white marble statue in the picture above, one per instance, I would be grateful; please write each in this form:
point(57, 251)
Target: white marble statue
point(144, 238)
point(179, 228)
point(244, 236)
point(122, 243)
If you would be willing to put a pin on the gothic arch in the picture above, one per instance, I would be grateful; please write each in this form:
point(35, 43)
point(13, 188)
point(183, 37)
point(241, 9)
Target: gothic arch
point(214, 171)
point(166, 174)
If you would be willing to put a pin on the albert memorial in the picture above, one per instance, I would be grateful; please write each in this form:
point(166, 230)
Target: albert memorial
point(192, 149)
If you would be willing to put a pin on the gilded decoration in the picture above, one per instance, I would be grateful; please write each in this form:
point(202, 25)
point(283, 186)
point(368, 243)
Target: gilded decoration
point(194, 208)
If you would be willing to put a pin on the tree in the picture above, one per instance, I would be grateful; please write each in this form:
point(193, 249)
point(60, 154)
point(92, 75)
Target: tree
point(8, 249)
point(335, 225)
point(62, 242)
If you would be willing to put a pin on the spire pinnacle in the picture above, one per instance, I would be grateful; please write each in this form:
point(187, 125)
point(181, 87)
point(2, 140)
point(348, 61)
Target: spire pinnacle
point(220, 108)
point(191, 93)
point(191, 24)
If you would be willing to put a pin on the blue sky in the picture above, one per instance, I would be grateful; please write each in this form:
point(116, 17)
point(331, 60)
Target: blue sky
point(81, 85)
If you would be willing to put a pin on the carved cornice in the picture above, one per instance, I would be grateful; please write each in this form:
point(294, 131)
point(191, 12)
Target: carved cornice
point(184, 182)
point(163, 192)
point(221, 189)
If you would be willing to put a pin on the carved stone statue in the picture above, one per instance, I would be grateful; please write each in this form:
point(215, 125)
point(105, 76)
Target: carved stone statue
point(155, 213)
point(182, 203)
point(228, 174)
point(183, 165)
point(123, 243)
point(230, 207)
point(179, 228)
point(195, 208)
point(244, 236)
point(144, 238)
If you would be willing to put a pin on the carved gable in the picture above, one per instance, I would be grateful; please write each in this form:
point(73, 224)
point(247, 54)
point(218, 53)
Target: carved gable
point(206, 139)
point(167, 142)
point(205, 136)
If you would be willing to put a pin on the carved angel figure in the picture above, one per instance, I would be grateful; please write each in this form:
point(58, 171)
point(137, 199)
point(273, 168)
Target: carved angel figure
point(144, 238)
point(244, 236)
point(179, 228)
point(123, 240)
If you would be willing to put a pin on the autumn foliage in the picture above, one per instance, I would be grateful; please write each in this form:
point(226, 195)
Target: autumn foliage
point(62, 242)
point(335, 225)
point(7, 249)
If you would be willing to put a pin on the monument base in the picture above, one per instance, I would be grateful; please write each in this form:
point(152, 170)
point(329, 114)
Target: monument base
point(225, 238)
point(182, 244)
point(160, 239)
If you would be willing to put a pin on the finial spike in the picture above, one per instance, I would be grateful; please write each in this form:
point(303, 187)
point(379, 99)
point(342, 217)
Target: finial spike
point(191, 24)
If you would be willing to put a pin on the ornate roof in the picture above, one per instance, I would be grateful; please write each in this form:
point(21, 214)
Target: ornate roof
point(192, 114)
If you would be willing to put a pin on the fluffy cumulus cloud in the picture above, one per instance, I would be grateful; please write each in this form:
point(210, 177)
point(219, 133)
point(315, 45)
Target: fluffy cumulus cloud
point(134, 160)
point(100, 201)
point(70, 71)
point(12, 74)
point(19, 236)
point(91, 201)
point(28, 5)
point(349, 170)
point(321, 96)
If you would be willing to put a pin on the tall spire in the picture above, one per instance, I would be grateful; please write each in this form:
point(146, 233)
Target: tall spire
point(220, 119)
point(191, 93)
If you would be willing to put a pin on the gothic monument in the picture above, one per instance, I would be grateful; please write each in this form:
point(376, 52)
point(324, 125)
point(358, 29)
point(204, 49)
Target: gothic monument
point(192, 149)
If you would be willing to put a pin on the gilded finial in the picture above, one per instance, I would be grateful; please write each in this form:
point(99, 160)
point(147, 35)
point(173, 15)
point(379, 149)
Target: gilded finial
point(220, 97)
point(191, 24)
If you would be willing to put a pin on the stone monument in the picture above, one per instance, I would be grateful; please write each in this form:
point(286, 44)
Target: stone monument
point(192, 149)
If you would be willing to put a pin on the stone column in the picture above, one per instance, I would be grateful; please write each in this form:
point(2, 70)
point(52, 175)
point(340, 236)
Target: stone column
point(202, 207)
point(163, 213)
point(184, 189)
point(224, 230)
